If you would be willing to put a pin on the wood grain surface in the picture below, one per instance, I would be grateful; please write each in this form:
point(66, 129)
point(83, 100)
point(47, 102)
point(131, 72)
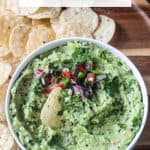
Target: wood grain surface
point(133, 39)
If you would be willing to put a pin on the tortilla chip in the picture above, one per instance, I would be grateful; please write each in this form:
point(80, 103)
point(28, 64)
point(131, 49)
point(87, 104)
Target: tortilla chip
point(39, 35)
point(3, 89)
point(7, 22)
point(14, 63)
point(18, 40)
point(72, 29)
point(49, 114)
point(4, 51)
point(10, 59)
point(46, 12)
point(6, 140)
point(23, 20)
point(14, 66)
point(2, 110)
point(55, 24)
point(5, 70)
point(44, 22)
point(106, 29)
point(85, 16)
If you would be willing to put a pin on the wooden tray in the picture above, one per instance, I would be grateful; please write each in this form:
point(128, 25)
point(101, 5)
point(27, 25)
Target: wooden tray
point(133, 39)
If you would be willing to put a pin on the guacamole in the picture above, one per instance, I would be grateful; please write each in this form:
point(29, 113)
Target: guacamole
point(101, 103)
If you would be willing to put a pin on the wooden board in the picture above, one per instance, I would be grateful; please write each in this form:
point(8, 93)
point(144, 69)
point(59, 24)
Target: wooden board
point(133, 39)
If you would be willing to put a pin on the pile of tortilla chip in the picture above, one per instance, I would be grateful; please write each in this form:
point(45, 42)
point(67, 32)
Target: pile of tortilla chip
point(22, 30)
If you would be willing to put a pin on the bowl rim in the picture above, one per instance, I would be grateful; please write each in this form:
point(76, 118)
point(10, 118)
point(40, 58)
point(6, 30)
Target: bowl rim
point(53, 44)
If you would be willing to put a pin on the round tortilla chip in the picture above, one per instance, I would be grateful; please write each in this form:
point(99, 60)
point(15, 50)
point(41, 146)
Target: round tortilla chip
point(46, 12)
point(18, 40)
point(72, 29)
point(106, 29)
point(39, 35)
point(6, 140)
point(8, 21)
point(4, 51)
point(85, 16)
point(3, 89)
point(5, 70)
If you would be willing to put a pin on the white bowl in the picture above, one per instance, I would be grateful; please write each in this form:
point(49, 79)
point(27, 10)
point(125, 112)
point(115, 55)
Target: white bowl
point(56, 43)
